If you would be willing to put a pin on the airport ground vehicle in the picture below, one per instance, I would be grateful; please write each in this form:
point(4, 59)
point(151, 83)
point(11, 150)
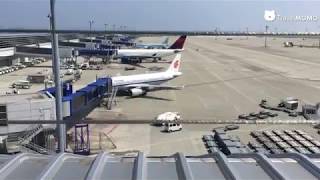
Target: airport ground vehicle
point(21, 84)
point(163, 118)
point(14, 67)
point(98, 67)
point(172, 126)
point(272, 114)
point(19, 66)
point(28, 63)
point(231, 127)
point(84, 66)
point(242, 116)
point(289, 103)
point(69, 72)
point(293, 114)
point(252, 118)
point(288, 44)
point(3, 71)
point(262, 116)
point(254, 114)
point(127, 68)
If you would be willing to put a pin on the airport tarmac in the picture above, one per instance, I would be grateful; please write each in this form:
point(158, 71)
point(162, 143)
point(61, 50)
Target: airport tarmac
point(225, 78)
point(152, 141)
point(222, 79)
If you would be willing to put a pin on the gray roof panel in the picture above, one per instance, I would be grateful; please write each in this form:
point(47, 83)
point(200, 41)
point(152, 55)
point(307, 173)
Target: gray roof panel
point(291, 169)
point(177, 166)
point(248, 168)
point(26, 165)
point(78, 166)
point(4, 159)
point(205, 168)
point(116, 168)
point(161, 169)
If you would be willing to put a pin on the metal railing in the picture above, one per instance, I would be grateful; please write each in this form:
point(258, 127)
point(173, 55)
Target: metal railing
point(36, 148)
point(184, 121)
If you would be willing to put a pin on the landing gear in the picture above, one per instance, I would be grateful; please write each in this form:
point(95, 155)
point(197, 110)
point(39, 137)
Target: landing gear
point(155, 60)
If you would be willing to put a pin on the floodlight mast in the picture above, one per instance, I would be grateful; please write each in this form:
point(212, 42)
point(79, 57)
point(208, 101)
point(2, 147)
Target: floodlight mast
point(56, 70)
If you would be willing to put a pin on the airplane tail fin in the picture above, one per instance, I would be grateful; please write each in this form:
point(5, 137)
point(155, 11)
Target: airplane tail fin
point(165, 40)
point(175, 64)
point(179, 43)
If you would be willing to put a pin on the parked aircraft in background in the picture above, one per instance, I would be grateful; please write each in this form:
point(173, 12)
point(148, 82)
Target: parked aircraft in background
point(132, 56)
point(162, 45)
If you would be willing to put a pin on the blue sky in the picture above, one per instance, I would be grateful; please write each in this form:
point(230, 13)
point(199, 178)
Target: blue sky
point(158, 15)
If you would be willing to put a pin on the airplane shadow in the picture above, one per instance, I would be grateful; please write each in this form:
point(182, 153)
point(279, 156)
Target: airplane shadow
point(151, 97)
point(138, 65)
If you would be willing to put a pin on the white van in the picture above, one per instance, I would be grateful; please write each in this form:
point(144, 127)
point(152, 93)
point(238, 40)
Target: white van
point(172, 126)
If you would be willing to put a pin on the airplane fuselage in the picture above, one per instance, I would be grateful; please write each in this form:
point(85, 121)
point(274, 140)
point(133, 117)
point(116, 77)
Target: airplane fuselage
point(152, 78)
point(146, 53)
point(152, 46)
point(140, 84)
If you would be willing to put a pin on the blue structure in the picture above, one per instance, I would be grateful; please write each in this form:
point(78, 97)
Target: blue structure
point(77, 105)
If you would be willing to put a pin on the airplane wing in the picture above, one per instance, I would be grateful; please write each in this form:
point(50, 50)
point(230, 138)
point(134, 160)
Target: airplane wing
point(150, 87)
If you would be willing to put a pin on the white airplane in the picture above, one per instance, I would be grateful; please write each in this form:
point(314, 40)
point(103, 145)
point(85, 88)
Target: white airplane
point(137, 55)
point(162, 45)
point(140, 84)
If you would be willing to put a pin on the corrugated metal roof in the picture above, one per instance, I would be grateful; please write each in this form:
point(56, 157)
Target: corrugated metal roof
point(211, 166)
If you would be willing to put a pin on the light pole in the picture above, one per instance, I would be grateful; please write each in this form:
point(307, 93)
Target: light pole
point(56, 70)
point(247, 29)
point(265, 37)
point(216, 32)
point(319, 38)
point(90, 24)
point(105, 29)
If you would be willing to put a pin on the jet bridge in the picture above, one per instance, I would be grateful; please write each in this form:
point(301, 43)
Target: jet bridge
point(87, 45)
point(65, 52)
point(77, 105)
point(42, 51)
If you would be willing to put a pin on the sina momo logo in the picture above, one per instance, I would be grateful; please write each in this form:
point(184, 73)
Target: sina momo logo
point(269, 15)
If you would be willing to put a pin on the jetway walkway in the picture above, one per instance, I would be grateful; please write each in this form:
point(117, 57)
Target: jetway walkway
point(65, 52)
point(77, 105)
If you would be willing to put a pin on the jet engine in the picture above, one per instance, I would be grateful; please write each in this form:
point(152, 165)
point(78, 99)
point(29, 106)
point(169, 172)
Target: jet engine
point(136, 92)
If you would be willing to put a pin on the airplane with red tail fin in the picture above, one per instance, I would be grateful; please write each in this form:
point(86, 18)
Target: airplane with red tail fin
point(140, 84)
point(132, 56)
